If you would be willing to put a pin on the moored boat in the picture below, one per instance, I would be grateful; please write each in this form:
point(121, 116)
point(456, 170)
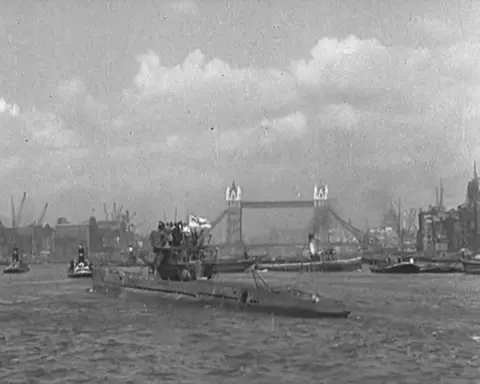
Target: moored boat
point(340, 265)
point(234, 266)
point(471, 267)
point(403, 267)
point(441, 268)
point(286, 302)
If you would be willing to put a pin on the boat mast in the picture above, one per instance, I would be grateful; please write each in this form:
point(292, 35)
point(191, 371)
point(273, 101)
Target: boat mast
point(399, 224)
point(475, 226)
point(434, 235)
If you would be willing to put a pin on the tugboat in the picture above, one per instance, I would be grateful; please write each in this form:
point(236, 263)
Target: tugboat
point(325, 260)
point(80, 267)
point(16, 265)
point(171, 275)
point(470, 262)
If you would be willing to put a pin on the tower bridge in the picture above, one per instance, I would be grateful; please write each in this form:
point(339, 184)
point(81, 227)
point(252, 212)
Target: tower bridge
point(236, 205)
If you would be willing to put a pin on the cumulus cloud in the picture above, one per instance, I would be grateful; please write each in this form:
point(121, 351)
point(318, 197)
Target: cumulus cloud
point(348, 65)
point(48, 130)
point(351, 111)
point(205, 93)
point(11, 109)
point(396, 113)
point(293, 125)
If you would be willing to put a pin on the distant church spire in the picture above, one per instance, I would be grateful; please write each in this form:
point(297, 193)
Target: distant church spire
point(440, 203)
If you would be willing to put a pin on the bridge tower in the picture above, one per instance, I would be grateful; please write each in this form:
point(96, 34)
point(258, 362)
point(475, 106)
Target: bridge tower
point(233, 196)
point(321, 212)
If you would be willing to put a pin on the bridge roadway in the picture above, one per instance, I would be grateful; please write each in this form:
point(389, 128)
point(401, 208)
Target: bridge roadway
point(278, 204)
point(267, 245)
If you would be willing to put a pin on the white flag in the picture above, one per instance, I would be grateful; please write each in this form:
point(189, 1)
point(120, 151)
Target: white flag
point(198, 222)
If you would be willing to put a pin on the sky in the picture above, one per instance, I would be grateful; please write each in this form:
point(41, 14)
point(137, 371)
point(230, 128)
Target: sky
point(157, 105)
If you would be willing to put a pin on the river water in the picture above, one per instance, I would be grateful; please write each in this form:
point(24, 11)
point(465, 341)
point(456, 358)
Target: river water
point(403, 329)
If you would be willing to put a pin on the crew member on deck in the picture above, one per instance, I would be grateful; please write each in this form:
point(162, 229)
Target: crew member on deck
point(81, 254)
point(131, 255)
point(15, 255)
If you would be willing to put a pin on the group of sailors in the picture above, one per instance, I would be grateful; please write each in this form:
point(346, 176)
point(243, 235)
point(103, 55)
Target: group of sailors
point(174, 244)
point(174, 234)
point(391, 260)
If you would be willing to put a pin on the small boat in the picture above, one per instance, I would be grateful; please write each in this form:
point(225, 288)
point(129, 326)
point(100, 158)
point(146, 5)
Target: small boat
point(403, 267)
point(233, 266)
point(16, 267)
point(340, 265)
point(440, 268)
point(471, 267)
point(260, 298)
point(79, 269)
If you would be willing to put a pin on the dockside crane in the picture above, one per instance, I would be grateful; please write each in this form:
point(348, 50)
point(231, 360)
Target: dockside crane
point(412, 215)
point(14, 224)
point(107, 216)
point(42, 215)
point(20, 209)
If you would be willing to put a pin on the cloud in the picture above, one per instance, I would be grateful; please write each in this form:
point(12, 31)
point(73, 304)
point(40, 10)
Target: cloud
point(47, 130)
point(206, 93)
point(293, 125)
point(348, 65)
point(390, 112)
point(365, 116)
point(11, 109)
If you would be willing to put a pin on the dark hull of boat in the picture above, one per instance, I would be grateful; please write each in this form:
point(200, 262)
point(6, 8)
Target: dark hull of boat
point(403, 268)
point(347, 265)
point(471, 267)
point(232, 266)
point(16, 269)
point(85, 275)
point(242, 297)
point(441, 268)
point(131, 263)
